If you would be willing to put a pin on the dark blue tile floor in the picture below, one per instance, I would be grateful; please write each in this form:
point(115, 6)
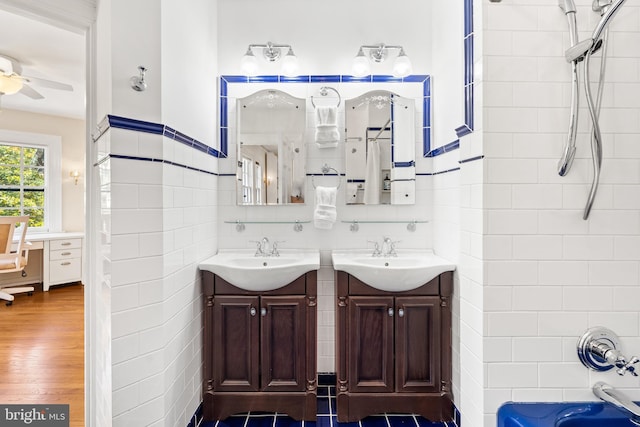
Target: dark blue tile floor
point(326, 417)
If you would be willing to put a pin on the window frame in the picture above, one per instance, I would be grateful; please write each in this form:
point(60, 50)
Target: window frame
point(52, 145)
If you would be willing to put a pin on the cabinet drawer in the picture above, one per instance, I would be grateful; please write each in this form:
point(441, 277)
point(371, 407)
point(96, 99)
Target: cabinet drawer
point(55, 245)
point(66, 270)
point(65, 254)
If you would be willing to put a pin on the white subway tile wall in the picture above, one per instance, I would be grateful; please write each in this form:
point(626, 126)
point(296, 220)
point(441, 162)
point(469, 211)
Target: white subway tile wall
point(549, 275)
point(163, 223)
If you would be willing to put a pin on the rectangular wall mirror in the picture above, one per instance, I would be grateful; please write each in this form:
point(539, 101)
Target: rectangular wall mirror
point(271, 155)
point(380, 149)
point(264, 129)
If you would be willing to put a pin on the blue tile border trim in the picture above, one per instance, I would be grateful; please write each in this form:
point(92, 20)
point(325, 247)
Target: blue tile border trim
point(468, 49)
point(126, 123)
point(153, 160)
point(225, 80)
point(454, 145)
point(404, 164)
point(471, 159)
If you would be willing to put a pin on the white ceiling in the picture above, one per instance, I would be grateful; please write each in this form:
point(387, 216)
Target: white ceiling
point(46, 52)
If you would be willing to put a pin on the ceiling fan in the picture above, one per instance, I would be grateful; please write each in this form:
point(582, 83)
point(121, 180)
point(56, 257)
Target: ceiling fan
point(12, 81)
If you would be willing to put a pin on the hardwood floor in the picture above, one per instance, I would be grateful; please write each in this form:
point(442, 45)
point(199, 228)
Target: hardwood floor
point(42, 350)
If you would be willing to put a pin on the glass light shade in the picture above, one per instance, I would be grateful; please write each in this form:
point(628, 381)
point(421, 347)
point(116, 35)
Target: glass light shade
point(402, 66)
point(290, 64)
point(249, 64)
point(10, 84)
point(361, 66)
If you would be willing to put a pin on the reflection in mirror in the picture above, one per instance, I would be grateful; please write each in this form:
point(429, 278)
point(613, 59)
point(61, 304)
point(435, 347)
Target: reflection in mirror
point(380, 149)
point(271, 158)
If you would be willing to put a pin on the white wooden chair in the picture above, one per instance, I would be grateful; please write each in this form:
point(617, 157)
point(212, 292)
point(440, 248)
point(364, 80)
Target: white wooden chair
point(14, 253)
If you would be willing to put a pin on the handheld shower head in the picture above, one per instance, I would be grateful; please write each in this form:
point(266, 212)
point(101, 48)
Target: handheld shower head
point(567, 6)
point(577, 51)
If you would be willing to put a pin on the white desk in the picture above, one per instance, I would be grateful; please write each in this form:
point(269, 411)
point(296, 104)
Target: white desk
point(54, 259)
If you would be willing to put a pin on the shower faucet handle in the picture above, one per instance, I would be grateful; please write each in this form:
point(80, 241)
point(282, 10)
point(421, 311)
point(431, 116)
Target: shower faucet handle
point(376, 248)
point(628, 367)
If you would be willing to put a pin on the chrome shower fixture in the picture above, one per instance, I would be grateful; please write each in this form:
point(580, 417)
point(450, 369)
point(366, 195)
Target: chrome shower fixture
point(567, 6)
point(378, 53)
point(599, 349)
point(581, 51)
point(271, 52)
point(137, 82)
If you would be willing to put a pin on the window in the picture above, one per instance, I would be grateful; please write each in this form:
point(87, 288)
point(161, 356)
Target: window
point(30, 178)
point(247, 181)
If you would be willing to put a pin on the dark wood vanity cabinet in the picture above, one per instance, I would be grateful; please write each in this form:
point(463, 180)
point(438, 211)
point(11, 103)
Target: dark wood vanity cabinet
point(260, 349)
point(393, 350)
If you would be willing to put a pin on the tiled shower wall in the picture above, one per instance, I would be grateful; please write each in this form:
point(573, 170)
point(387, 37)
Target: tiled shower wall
point(158, 208)
point(549, 275)
point(159, 202)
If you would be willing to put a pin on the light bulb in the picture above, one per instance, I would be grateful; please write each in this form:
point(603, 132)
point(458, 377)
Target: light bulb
point(249, 63)
point(402, 65)
point(10, 84)
point(290, 64)
point(361, 66)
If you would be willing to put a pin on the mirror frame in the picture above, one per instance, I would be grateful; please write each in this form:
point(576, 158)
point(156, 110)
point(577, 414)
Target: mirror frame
point(226, 80)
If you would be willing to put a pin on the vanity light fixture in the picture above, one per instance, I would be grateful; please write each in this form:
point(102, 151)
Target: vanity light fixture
point(271, 53)
point(378, 53)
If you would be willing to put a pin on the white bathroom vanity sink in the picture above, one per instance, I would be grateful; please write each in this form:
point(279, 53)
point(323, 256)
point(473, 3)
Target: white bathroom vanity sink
point(408, 270)
point(243, 269)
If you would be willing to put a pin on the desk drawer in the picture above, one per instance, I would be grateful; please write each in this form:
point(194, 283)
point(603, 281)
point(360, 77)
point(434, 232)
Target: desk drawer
point(55, 245)
point(66, 270)
point(65, 254)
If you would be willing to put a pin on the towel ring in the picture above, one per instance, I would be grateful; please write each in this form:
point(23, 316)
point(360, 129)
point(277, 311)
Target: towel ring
point(325, 170)
point(324, 90)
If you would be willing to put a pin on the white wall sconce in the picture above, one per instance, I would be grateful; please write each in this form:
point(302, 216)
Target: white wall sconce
point(271, 52)
point(378, 53)
point(75, 174)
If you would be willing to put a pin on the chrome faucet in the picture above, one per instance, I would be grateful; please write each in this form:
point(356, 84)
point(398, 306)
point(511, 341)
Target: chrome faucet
point(618, 399)
point(266, 248)
point(274, 249)
point(262, 247)
point(376, 249)
point(389, 247)
point(386, 249)
point(598, 349)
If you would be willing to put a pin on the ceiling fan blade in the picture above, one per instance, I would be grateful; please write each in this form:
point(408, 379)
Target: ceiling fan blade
point(48, 83)
point(6, 67)
point(31, 92)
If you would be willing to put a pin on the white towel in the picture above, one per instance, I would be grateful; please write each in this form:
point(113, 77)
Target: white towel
point(325, 213)
point(327, 134)
point(372, 175)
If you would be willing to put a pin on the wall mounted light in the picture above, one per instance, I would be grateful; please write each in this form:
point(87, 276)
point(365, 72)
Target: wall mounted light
point(271, 53)
point(75, 174)
point(378, 53)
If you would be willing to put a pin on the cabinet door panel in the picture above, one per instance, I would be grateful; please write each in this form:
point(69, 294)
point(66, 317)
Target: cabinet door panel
point(235, 342)
point(283, 343)
point(370, 344)
point(418, 344)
